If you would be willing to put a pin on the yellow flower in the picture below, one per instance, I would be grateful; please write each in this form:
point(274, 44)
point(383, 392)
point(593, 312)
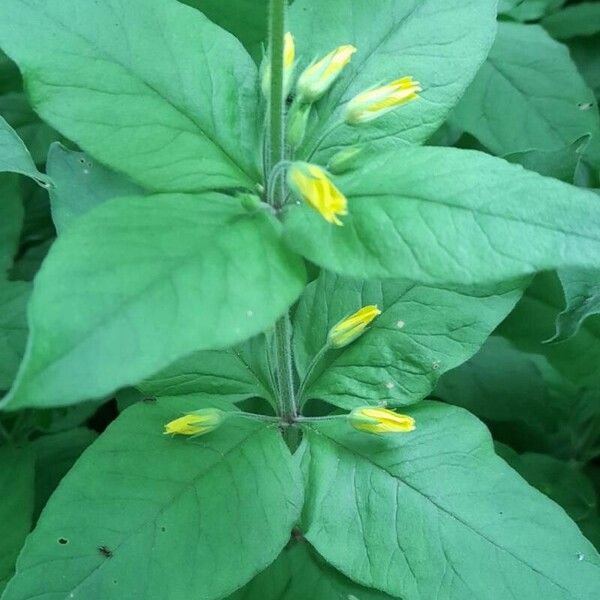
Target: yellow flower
point(289, 56)
point(197, 423)
point(320, 76)
point(377, 102)
point(349, 328)
point(380, 420)
point(312, 184)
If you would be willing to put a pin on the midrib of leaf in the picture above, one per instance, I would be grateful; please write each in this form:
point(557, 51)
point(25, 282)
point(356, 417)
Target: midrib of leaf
point(196, 127)
point(441, 509)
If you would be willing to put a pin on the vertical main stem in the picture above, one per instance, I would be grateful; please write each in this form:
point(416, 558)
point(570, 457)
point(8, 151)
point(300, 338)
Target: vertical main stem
point(276, 128)
point(276, 99)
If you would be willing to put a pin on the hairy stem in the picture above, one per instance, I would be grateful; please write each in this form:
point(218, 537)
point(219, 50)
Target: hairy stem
point(276, 192)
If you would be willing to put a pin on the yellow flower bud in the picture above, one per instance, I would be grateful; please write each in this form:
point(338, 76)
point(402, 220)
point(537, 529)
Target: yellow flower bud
point(289, 52)
point(374, 103)
point(197, 423)
point(320, 76)
point(351, 327)
point(313, 185)
point(289, 56)
point(380, 420)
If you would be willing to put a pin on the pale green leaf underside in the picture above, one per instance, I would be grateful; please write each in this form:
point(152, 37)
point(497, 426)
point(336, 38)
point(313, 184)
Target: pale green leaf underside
point(149, 87)
point(80, 184)
point(582, 294)
point(16, 483)
point(299, 574)
point(447, 216)
point(233, 374)
point(561, 163)
point(421, 333)
point(140, 282)
point(539, 99)
point(14, 156)
point(435, 513)
point(36, 135)
point(182, 518)
point(441, 43)
point(533, 322)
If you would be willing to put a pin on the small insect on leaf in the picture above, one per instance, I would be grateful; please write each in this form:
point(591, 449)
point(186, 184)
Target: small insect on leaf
point(106, 552)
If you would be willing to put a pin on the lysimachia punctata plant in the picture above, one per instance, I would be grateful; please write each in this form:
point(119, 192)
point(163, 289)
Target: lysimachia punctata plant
point(264, 268)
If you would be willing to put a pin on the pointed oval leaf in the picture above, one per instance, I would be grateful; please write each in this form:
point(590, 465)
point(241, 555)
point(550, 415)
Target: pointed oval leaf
point(143, 515)
point(140, 282)
point(149, 87)
point(421, 333)
point(435, 513)
point(449, 216)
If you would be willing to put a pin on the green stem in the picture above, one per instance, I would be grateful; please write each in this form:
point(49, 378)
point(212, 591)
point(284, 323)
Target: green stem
point(276, 99)
point(276, 192)
point(285, 371)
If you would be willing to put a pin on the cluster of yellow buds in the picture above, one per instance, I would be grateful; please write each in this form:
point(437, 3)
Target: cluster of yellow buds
point(372, 419)
point(311, 182)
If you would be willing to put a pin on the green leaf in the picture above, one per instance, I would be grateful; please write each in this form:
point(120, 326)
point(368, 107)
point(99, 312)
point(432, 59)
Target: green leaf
point(533, 322)
point(422, 332)
point(151, 88)
point(539, 99)
point(561, 163)
point(528, 10)
point(14, 296)
point(234, 374)
point(574, 21)
point(180, 518)
point(246, 19)
point(582, 293)
point(55, 454)
point(143, 281)
point(16, 483)
point(435, 513)
point(584, 51)
point(447, 216)
point(14, 156)
point(10, 79)
point(482, 387)
point(441, 43)
point(36, 135)
point(562, 482)
point(11, 220)
point(299, 573)
point(80, 184)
